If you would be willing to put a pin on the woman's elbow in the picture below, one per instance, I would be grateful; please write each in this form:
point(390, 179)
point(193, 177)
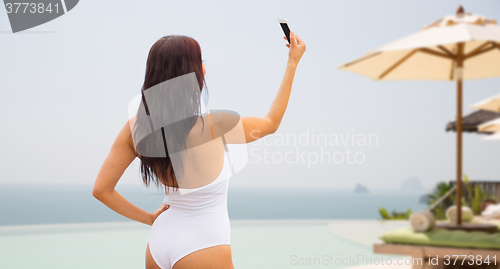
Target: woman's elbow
point(99, 193)
point(96, 193)
point(273, 129)
point(272, 126)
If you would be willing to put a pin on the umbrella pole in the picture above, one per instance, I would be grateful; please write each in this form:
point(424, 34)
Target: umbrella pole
point(459, 152)
point(459, 76)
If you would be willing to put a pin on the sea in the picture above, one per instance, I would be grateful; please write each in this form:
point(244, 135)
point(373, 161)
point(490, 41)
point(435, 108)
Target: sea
point(51, 204)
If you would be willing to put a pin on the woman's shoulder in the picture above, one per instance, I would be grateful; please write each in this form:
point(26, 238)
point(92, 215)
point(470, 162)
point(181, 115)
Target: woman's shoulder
point(214, 125)
point(224, 120)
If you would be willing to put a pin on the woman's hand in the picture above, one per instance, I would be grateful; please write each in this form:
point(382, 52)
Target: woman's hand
point(158, 211)
point(296, 48)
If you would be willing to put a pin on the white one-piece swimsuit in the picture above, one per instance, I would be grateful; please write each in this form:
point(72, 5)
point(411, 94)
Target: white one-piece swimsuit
point(197, 219)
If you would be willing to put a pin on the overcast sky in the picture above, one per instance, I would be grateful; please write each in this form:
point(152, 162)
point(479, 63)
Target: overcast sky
point(65, 87)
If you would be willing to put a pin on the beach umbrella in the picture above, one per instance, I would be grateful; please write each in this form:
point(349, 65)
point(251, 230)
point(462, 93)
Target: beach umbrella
point(471, 121)
point(453, 48)
point(491, 104)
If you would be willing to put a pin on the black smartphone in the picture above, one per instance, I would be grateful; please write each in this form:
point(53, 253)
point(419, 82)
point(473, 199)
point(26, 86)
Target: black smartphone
point(286, 28)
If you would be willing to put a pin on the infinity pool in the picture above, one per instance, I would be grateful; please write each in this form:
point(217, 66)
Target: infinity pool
point(255, 244)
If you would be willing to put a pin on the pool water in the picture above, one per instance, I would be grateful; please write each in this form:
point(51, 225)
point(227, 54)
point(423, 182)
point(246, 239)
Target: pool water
point(255, 244)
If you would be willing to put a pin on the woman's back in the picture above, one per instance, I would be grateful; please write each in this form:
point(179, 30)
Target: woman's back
point(197, 217)
point(203, 157)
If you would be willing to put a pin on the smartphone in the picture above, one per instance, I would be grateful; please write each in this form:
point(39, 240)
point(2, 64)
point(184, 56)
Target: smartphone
point(286, 28)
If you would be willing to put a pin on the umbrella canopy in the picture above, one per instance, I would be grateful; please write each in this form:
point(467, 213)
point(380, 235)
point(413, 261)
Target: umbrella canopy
point(471, 121)
point(454, 48)
point(495, 136)
point(431, 54)
point(492, 126)
point(492, 104)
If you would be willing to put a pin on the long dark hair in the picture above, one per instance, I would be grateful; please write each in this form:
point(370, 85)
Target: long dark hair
point(170, 57)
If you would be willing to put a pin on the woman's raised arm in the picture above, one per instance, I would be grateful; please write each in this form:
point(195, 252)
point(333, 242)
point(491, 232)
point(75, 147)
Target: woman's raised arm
point(255, 127)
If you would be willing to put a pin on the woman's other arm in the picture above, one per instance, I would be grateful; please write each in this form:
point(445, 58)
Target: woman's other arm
point(120, 156)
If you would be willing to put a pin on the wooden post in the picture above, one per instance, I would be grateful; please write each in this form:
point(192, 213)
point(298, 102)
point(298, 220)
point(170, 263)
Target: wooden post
point(459, 77)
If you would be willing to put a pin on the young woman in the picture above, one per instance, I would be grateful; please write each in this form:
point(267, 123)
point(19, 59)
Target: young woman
point(189, 230)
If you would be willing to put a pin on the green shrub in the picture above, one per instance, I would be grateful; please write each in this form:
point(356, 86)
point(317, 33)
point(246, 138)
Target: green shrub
point(394, 215)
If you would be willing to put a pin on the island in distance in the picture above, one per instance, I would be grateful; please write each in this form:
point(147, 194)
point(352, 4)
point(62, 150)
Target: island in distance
point(412, 184)
point(361, 189)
